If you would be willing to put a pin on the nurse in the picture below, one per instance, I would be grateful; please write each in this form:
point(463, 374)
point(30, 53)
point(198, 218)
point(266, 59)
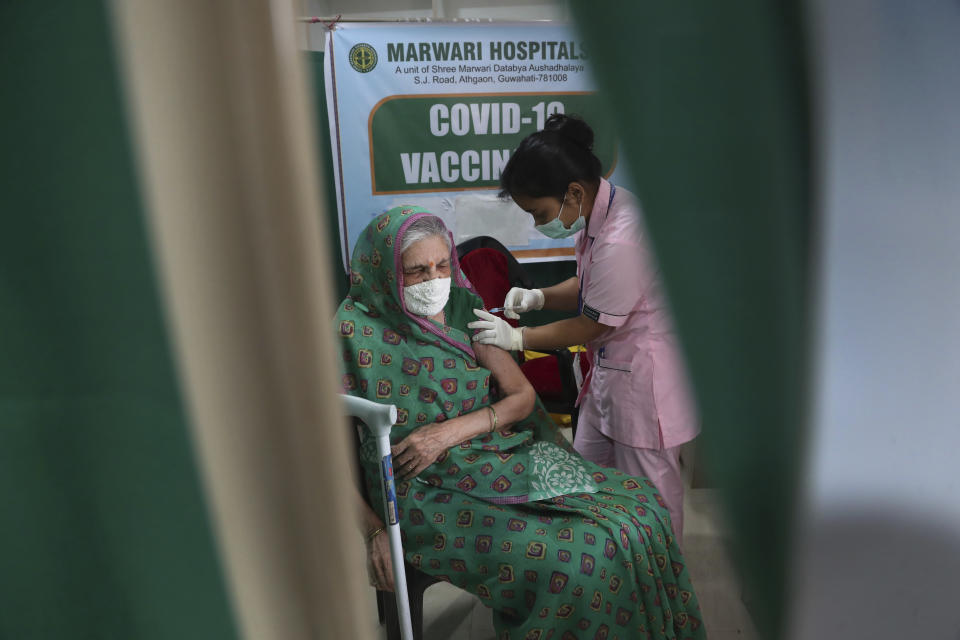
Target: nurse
point(635, 404)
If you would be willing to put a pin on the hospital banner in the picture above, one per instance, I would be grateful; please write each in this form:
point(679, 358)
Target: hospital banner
point(428, 114)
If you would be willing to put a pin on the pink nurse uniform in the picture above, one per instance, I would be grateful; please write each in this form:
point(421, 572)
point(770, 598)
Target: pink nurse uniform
point(636, 408)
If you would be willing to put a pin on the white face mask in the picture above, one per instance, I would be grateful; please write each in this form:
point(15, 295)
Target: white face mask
point(427, 298)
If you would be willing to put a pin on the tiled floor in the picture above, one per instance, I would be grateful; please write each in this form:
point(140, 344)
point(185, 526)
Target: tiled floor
point(715, 579)
point(453, 614)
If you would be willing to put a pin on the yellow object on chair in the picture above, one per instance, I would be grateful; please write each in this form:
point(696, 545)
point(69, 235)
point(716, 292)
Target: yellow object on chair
point(533, 355)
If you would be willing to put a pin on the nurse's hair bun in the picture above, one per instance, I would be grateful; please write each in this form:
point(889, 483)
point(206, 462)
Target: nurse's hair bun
point(547, 161)
point(571, 127)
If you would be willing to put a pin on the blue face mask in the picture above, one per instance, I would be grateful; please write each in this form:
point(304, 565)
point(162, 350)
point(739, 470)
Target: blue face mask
point(555, 228)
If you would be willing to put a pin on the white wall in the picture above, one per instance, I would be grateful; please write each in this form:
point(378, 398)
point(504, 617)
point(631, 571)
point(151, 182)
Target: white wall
point(444, 9)
point(879, 553)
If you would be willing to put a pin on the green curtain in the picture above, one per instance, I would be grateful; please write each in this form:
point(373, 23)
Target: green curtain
point(104, 531)
point(712, 108)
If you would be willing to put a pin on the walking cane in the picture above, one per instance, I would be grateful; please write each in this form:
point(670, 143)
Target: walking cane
point(379, 418)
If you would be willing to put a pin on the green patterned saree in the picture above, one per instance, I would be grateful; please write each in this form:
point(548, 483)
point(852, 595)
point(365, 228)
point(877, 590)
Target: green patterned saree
point(557, 546)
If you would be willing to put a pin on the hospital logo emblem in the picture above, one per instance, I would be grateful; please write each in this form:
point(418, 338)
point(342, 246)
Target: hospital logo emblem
point(363, 57)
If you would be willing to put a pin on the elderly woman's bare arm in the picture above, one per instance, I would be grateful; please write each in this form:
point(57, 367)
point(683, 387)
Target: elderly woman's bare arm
point(421, 448)
point(518, 394)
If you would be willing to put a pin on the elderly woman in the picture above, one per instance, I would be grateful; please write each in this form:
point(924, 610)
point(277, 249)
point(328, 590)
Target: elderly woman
point(491, 496)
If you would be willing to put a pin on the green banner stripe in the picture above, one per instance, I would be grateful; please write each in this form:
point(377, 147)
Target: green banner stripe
point(462, 141)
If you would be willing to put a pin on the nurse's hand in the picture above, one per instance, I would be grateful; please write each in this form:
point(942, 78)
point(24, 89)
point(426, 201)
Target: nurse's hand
point(496, 331)
point(522, 300)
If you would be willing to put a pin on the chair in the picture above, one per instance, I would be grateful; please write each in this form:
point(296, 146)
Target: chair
point(493, 270)
point(417, 581)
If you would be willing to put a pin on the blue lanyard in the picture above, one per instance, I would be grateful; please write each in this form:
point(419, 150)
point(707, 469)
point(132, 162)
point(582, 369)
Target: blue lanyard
point(613, 190)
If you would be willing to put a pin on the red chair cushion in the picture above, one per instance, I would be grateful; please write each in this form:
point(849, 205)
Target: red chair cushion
point(487, 271)
point(544, 374)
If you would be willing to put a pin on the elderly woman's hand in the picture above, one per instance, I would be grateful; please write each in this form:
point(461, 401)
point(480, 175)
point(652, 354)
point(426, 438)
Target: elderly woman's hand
point(379, 567)
point(418, 451)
